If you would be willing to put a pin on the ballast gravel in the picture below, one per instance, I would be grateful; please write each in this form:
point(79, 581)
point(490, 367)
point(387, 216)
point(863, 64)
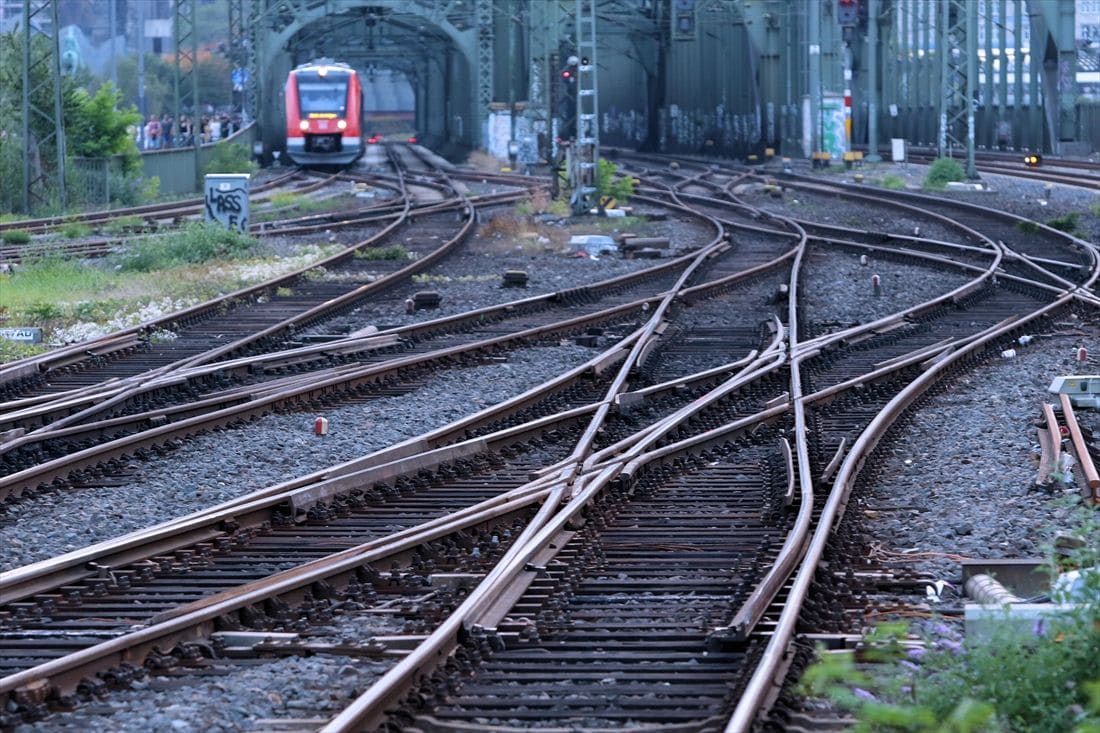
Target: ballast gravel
point(840, 293)
point(961, 480)
point(220, 466)
point(248, 696)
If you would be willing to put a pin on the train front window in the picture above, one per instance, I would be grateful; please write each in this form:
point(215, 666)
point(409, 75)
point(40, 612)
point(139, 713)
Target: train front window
point(323, 94)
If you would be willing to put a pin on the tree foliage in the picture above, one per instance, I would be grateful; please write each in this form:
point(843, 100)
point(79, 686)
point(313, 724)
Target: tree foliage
point(94, 125)
point(98, 127)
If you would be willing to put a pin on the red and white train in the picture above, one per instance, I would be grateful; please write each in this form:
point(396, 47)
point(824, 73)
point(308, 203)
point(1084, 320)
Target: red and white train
point(324, 114)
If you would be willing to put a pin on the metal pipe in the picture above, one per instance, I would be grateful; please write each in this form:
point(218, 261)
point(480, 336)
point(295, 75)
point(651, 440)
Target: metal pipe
point(988, 591)
point(873, 57)
point(814, 43)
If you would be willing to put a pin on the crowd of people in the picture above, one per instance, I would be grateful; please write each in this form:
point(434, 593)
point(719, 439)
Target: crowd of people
point(163, 132)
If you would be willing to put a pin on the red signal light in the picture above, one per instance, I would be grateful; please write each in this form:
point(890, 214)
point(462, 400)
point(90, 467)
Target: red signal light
point(567, 75)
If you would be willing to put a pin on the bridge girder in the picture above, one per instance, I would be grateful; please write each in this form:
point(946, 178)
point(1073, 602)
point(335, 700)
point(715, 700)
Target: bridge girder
point(696, 71)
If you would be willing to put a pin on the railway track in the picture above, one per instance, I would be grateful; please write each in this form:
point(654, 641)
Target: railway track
point(641, 558)
point(1062, 171)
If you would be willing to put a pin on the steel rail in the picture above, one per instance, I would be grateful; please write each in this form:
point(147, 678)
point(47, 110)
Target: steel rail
point(95, 396)
point(76, 352)
point(751, 703)
point(36, 474)
point(93, 216)
point(424, 450)
point(119, 342)
point(369, 710)
point(19, 481)
point(64, 673)
point(1068, 240)
point(547, 508)
point(428, 654)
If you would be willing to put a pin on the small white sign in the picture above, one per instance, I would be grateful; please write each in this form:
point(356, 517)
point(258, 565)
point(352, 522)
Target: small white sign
point(897, 149)
point(25, 334)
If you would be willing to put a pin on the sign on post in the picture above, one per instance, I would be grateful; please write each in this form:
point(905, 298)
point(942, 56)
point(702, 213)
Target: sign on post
point(227, 199)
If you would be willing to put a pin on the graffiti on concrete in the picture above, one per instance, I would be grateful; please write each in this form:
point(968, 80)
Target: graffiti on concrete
point(226, 200)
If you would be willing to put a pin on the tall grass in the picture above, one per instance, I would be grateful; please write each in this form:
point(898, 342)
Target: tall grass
point(39, 287)
point(15, 236)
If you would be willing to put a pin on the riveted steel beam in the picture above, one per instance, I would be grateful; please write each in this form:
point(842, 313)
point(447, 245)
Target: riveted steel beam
point(186, 76)
point(43, 120)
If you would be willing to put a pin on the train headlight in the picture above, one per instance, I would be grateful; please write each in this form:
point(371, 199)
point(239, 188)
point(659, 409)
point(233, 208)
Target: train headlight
point(303, 125)
point(341, 124)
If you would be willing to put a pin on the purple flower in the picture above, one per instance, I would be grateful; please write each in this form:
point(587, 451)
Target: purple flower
point(1039, 627)
point(942, 630)
point(916, 653)
point(912, 667)
point(949, 645)
point(863, 694)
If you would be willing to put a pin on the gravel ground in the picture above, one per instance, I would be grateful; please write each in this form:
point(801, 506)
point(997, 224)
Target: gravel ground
point(220, 466)
point(974, 494)
point(839, 293)
point(1019, 196)
point(473, 278)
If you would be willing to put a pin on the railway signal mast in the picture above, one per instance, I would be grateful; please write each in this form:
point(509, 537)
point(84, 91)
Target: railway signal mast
point(586, 151)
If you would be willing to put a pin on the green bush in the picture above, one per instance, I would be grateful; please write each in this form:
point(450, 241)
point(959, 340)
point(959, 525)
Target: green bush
point(75, 229)
point(15, 236)
point(148, 189)
point(43, 311)
point(230, 158)
point(12, 350)
point(942, 172)
point(393, 252)
point(282, 199)
point(609, 183)
point(196, 243)
point(1041, 679)
point(1028, 227)
point(894, 183)
point(125, 225)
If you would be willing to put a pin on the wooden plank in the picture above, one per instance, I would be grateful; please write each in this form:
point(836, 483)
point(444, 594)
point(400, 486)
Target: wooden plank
point(1055, 432)
point(1047, 462)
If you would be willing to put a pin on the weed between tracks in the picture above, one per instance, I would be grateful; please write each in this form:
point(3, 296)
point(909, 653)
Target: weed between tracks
point(289, 204)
